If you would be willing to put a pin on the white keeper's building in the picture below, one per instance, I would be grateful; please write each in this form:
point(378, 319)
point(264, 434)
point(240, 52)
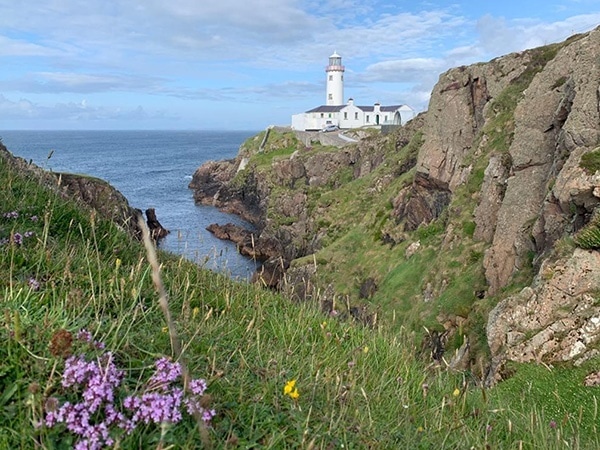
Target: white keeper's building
point(348, 115)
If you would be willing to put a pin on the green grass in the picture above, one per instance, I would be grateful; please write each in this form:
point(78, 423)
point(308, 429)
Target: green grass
point(589, 236)
point(590, 161)
point(358, 387)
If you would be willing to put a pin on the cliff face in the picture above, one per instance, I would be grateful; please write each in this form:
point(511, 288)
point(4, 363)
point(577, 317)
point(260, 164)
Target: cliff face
point(497, 180)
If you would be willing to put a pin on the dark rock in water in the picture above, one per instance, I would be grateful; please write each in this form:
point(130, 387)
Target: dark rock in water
point(243, 238)
point(157, 231)
point(248, 243)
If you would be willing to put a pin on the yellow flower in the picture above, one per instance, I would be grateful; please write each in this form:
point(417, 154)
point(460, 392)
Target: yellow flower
point(456, 392)
point(118, 263)
point(165, 329)
point(294, 394)
point(195, 312)
point(291, 389)
point(289, 386)
point(366, 349)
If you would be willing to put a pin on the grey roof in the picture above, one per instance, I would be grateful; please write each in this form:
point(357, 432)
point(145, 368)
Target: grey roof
point(381, 108)
point(327, 108)
point(338, 108)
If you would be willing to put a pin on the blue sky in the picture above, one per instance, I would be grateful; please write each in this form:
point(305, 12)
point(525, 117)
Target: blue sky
point(246, 64)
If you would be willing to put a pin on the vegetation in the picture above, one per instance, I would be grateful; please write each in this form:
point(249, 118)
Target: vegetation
point(589, 236)
point(590, 161)
point(66, 270)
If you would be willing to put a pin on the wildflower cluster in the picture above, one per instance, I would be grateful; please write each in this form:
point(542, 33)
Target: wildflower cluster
point(17, 238)
point(99, 416)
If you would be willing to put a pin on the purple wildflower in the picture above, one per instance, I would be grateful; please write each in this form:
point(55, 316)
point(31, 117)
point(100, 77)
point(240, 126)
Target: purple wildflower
point(11, 215)
point(84, 335)
point(166, 373)
point(29, 234)
point(153, 407)
point(198, 386)
point(34, 218)
point(552, 424)
point(77, 371)
point(34, 284)
point(17, 238)
point(208, 414)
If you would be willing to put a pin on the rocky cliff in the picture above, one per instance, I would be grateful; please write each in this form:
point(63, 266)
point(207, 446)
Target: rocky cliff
point(478, 219)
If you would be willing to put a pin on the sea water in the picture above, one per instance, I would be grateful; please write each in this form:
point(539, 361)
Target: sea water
point(152, 169)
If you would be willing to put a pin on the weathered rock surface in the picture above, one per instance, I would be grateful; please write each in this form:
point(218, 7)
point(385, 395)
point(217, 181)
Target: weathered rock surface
point(555, 319)
point(211, 184)
point(555, 123)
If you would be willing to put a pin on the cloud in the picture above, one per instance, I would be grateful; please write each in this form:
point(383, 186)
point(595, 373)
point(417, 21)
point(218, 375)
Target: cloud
point(61, 82)
point(15, 47)
point(401, 71)
point(73, 111)
point(499, 36)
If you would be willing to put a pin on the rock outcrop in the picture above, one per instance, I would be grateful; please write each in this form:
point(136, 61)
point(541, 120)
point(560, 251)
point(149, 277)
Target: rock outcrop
point(557, 318)
point(157, 231)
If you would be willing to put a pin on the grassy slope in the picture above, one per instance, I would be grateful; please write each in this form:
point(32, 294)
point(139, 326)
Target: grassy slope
point(359, 388)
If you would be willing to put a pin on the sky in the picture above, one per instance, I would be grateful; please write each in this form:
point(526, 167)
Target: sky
point(247, 64)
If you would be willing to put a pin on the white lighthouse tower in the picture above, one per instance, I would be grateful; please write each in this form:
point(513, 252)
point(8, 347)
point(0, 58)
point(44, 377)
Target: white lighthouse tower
point(335, 80)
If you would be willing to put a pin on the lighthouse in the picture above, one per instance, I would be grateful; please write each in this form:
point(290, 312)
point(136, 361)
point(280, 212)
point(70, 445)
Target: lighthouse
point(335, 81)
point(337, 115)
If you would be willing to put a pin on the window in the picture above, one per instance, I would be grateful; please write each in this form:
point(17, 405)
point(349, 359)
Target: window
point(367, 118)
point(330, 77)
point(330, 96)
point(385, 118)
point(322, 115)
point(329, 115)
point(345, 115)
point(355, 116)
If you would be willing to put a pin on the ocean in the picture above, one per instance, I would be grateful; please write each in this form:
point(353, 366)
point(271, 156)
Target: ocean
point(152, 169)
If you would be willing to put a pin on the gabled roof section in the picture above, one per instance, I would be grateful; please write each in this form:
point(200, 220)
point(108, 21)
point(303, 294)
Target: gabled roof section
point(381, 108)
point(391, 108)
point(327, 108)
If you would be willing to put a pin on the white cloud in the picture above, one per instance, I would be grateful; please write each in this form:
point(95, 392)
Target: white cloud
point(61, 82)
point(499, 36)
point(73, 111)
point(16, 47)
point(402, 70)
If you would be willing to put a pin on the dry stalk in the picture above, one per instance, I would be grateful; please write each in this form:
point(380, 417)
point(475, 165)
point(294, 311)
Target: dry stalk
point(163, 301)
